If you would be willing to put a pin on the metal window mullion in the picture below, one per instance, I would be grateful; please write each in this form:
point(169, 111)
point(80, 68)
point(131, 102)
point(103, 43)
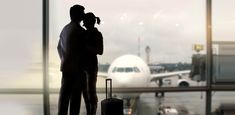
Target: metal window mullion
point(209, 55)
point(45, 48)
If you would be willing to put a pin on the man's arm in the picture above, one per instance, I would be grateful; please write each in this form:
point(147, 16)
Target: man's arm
point(59, 49)
point(99, 44)
point(98, 47)
point(62, 46)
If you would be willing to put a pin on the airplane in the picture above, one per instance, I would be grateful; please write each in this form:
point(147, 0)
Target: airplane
point(129, 71)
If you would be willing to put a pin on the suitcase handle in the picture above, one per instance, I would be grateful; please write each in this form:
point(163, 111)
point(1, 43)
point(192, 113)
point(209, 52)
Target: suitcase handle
point(110, 80)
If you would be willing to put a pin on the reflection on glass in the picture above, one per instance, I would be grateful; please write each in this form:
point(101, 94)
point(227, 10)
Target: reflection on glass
point(21, 44)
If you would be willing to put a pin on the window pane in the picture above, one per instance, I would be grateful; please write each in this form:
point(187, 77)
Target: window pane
point(225, 99)
point(170, 28)
point(129, 69)
point(170, 31)
point(191, 103)
point(223, 23)
point(21, 104)
point(21, 44)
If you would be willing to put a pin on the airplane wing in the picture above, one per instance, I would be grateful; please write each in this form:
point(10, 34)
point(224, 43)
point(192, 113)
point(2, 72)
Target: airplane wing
point(102, 74)
point(158, 76)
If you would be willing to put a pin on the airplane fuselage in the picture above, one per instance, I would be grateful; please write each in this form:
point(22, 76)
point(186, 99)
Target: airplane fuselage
point(129, 71)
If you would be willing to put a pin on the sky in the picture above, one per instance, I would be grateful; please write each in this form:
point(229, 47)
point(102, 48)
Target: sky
point(169, 27)
point(164, 27)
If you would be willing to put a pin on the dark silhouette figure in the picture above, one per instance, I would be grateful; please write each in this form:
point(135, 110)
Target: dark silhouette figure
point(70, 50)
point(93, 46)
point(160, 85)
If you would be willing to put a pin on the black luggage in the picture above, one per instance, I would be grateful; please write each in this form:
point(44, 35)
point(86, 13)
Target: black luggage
point(111, 106)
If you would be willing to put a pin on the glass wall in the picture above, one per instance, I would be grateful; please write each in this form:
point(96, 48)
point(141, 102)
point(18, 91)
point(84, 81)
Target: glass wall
point(223, 23)
point(220, 99)
point(170, 28)
point(21, 57)
point(192, 103)
point(168, 35)
point(223, 20)
point(21, 104)
point(21, 44)
point(170, 31)
point(223, 30)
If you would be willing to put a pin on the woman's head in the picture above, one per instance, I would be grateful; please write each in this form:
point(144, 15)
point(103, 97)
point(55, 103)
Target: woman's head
point(90, 19)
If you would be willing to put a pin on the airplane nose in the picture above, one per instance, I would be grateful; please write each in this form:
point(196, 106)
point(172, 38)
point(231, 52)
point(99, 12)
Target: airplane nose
point(122, 80)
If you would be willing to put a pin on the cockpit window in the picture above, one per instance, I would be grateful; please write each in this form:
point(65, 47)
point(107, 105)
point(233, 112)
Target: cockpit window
point(125, 69)
point(120, 69)
point(136, 69)
point(114, 69)
point(128, 69)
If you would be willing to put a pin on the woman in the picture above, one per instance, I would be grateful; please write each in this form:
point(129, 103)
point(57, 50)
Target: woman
point(94, 46)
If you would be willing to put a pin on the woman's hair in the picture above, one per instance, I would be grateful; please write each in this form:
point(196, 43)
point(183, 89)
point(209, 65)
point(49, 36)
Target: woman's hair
point(91, 18)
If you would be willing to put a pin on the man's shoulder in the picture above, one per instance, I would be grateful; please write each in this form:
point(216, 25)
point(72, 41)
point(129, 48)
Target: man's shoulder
point(68, 27)
point(79, 30)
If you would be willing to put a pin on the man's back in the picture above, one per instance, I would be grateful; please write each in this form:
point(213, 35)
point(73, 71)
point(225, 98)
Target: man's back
point(71, 39)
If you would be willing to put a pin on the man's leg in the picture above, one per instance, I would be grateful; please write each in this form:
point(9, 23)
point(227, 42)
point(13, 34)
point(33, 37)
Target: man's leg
point(65, 92)
point(75, 101)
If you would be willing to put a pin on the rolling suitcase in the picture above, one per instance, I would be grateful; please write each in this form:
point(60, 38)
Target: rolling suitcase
point(111, 106)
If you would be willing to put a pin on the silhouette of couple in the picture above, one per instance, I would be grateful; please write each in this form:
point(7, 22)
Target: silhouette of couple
point(78, 49)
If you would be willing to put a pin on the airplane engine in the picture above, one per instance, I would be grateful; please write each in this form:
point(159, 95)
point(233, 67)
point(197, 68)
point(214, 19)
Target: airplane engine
point(183, 83)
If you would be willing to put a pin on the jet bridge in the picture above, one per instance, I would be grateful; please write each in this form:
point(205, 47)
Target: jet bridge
point(224, 62)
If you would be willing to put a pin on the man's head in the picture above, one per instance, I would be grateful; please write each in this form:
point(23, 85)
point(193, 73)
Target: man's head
point(77, 12)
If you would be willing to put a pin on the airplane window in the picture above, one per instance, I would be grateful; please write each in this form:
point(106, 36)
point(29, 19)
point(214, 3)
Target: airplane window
point(114, 69)
point(120, 69)
point(129, 69)
point(124, 69)
point(136, 69)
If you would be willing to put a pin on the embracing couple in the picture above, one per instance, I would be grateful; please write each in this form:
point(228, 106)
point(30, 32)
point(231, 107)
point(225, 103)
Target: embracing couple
point(78, 48)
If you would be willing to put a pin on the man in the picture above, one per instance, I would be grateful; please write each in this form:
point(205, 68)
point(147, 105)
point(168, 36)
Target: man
point(70, 51)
